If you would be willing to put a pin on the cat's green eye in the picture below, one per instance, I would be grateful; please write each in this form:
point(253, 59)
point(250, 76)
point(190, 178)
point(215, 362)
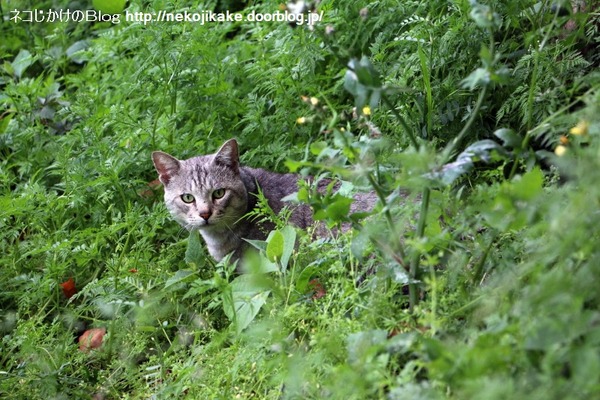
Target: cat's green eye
point(218, 193)
point(187, 198)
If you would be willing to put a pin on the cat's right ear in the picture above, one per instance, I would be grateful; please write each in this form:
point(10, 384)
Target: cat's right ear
point(167, 166)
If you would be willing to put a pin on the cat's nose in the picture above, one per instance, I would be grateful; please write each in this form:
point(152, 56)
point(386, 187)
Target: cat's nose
point(205, 215)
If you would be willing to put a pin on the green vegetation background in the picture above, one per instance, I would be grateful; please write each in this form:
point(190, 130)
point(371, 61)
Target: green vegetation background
point(476, 277)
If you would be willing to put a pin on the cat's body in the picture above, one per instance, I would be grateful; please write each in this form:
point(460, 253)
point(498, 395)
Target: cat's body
point(213, 194)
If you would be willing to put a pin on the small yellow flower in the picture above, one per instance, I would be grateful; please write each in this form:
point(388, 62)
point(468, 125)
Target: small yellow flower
point(300, 120)
point(564, 140)
point(314, 101)
point(560, 150)
point(366, 110)
point(580, 129)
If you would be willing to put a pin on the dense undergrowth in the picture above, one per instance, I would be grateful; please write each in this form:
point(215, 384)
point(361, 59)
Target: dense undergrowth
point(476, 277)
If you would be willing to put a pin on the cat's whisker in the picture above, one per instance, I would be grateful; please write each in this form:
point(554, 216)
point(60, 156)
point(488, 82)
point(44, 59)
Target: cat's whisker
point(185, 229)
point(231, 230)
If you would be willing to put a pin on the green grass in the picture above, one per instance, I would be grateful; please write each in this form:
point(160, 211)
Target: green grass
point(474, 278)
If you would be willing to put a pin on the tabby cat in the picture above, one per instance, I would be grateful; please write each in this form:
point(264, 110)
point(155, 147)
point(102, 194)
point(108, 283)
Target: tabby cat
point(214, 193)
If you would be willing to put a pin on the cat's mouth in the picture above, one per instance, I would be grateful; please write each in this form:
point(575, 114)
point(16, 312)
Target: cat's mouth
point(205, 224)
point(197, 225)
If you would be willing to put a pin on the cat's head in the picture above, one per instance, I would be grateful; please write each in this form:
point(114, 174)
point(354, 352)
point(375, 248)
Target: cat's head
point(204, 192)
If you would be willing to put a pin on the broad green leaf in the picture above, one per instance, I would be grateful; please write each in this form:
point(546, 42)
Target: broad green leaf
point(257, 244)
point(21, 62)
point(509, 138)
point(180, 276)
point(363, 345)
point(363, 82)
point(359, 244)
point(305, 277)
point(195, 254)
point(248, 297)
point(336, 211)
point(346, 188)
point(505, 212)
point(289, 242)
point(479, 77)
point(485, 55)
point(366, 72)
point(361, 97)
point(503, 215)
point(351, 82)
point(529, 186)
point(5, 121)
point(339, 209)
point(317, 147)
point(75, 52)
point(484, 16)
point(303, 194)
point(275, 246)
point(374, 99)
point(258, 263)
point(293, 166)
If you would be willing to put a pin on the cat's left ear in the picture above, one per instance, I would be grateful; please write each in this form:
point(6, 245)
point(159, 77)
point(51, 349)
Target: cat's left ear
point(166, 165)
point(228, 155)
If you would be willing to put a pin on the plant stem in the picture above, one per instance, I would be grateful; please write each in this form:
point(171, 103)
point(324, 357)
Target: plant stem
point(397, 245)
point(454, 144)
point(413, 288)
point(411, 136)
point(477, 271)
